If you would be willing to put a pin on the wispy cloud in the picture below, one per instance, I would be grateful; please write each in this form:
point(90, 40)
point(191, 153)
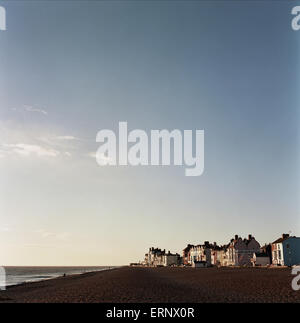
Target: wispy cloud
point(26, 150)
point(59, 141)
point(25, 140)
point(30, 108)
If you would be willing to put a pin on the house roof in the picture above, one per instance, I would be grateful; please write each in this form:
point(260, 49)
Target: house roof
point(188, 247)
point(282, 238)
point(279, 240)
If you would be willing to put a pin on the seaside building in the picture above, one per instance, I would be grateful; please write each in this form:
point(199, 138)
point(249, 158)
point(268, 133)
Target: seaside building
point(201, 253)
point(225, 256)
point(240, 251)
point(154, 257)
point(157, 257)
point(186, 254)
point(170, 259)
point(286, 251)
point(218, 254)
point(267, 249)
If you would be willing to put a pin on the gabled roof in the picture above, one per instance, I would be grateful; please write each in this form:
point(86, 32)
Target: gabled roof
point(188, 247)
point(279, 240)
point(282, 238)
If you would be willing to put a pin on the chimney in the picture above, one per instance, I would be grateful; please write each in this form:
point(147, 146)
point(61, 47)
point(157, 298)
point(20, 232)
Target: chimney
point(249, 237)
point(236, 237)
point(285, 235)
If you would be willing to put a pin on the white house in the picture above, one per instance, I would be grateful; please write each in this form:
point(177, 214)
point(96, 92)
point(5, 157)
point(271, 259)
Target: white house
point(201, 253)
point(286, 251)
point(157, 257)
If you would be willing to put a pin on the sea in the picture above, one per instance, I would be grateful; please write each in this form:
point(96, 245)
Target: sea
point(19, 275)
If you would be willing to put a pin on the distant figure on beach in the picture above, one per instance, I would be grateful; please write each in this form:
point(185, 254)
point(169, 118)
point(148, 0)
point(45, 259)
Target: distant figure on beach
point(64, 275)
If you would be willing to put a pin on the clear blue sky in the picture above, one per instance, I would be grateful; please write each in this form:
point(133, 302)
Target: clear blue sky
point(69, 69)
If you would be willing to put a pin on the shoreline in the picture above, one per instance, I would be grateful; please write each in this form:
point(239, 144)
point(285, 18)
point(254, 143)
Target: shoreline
point(58, 276)
point(160, 285)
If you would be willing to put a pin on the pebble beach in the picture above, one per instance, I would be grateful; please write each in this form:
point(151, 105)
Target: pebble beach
point(161, 285)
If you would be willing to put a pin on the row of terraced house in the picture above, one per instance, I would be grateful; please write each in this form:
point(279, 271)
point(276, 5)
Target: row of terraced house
point(284, 251)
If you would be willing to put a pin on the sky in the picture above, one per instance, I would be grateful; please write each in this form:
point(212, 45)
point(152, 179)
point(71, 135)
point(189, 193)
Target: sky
point(71, 68)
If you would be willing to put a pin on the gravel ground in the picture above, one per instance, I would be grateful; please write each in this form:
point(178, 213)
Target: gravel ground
point(162, 285)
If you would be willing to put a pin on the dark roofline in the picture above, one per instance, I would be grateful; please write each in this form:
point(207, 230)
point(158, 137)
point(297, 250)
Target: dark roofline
point(284, 236)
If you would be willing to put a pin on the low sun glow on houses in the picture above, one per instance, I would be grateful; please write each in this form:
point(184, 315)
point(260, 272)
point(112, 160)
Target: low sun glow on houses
point(239, 252)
